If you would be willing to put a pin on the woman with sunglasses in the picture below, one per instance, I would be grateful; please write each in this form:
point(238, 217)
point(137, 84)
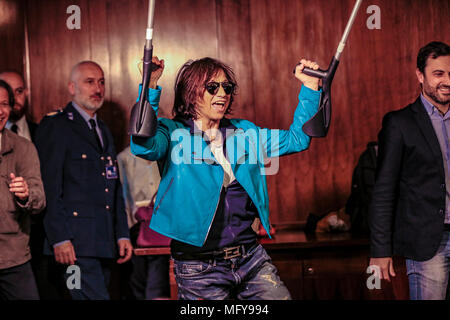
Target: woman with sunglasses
point(213, 185)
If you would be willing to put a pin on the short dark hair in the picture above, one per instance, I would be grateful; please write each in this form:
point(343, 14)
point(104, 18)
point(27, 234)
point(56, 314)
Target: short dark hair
point(5, 85)
point(434, 50)
point(190, 84)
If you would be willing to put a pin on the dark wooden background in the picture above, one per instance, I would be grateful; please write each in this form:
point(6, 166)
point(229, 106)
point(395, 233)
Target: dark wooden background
point(12, 35)
point(262, 40)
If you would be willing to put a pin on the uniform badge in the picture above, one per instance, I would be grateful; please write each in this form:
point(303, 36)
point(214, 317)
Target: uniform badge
point(111, 170)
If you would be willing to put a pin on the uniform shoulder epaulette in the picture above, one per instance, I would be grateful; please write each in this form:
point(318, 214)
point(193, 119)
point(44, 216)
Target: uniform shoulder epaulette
point(54, 113)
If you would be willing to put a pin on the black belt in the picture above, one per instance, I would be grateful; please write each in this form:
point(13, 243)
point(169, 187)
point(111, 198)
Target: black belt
point(224, 253)
point(447, 226)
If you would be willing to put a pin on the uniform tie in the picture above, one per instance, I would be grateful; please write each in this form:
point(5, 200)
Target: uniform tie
point(97, 138)
point(14, 128)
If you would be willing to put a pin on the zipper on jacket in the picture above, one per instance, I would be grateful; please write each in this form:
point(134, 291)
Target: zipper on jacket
point(215, 211)
point(162, 198)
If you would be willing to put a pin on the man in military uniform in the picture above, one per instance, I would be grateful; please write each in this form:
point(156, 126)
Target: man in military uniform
point(85, 222)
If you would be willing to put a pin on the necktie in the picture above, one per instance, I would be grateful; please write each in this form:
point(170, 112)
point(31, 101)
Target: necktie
point(14, 128)
point(97, 138)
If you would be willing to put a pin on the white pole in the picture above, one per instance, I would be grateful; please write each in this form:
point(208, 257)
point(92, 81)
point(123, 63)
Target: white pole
point(347, 29)
point(149, 32)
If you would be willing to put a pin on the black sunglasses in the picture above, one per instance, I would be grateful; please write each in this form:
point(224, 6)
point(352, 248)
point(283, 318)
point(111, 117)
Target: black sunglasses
point(213, 87)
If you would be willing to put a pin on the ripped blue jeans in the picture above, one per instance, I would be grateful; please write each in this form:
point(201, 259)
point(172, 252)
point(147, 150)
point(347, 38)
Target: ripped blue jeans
point(251, 276)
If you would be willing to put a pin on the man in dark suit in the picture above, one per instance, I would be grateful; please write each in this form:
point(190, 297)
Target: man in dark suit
point(410, 207)
point(18, 122)
point(85, 221)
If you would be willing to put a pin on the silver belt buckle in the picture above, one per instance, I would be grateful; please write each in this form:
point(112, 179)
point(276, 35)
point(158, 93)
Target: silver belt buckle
point(232, 252)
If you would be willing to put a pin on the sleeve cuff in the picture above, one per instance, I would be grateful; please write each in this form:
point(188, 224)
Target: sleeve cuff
point(60, 243)
point(24, 205)
point(153, 94)
point(310, 94)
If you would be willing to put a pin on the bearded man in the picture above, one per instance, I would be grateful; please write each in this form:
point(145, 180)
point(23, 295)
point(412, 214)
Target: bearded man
point(410, 208)
point(85, 221)
point(18, 121)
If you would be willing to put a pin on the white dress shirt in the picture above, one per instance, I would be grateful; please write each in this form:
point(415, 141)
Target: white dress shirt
point(22, 127)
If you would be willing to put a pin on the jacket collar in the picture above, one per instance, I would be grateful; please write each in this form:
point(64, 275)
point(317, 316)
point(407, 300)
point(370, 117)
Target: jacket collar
point(8, 138)
point(189, 123)
point(82, 127)
point(426, 127)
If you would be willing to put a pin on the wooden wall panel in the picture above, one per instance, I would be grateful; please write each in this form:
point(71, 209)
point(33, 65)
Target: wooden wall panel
point(184, 30)
point(376, 75)
point(53, 51)
point(12, 37)
point(113, 34)
point(262, 40)
point(234, 48)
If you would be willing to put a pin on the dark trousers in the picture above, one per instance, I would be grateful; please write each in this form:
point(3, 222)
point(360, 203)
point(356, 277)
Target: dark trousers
point(17, 283)
point(94, 275)
point(46, 270)
point(150, 277)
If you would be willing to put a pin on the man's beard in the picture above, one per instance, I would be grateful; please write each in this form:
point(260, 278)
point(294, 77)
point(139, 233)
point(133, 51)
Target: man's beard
point(434, 95)
point(16, 114)
point(91, 106)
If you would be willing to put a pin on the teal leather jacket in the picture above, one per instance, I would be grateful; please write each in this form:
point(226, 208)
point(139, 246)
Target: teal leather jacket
point(191, 178)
